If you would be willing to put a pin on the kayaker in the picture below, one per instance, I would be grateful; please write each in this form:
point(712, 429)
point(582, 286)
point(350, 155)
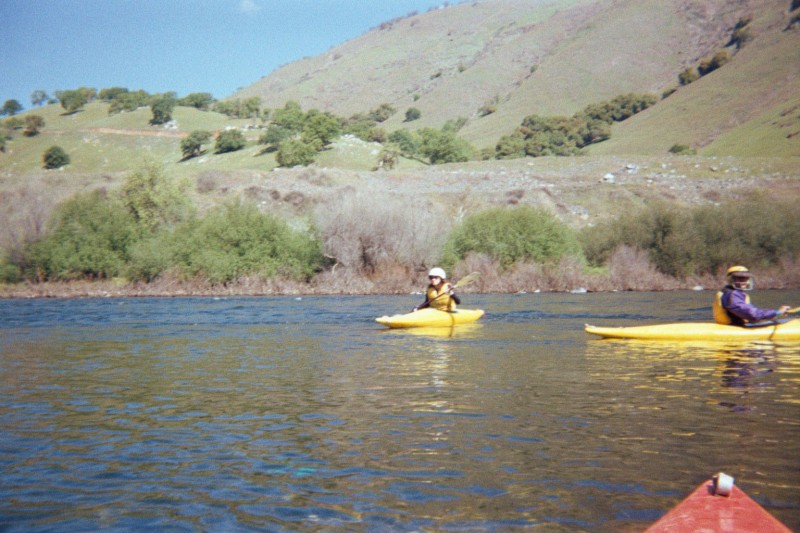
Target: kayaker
point(732, 305)
point(439, 294)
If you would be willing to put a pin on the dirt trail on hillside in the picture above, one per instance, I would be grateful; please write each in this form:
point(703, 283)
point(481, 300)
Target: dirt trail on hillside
point(117, 131)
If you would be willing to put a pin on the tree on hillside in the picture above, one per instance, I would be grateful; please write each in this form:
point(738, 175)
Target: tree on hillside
point(230, 141)
point(55, 157)
point(320, 129)
point(291, 117)
point(541, 136)
point(273, 136)
point(111, 93)
point(33, 124)
point(710, 64)
point(192, 145)
point(294, 152)
point(39, 97)
point(742, 33)
point(236, 108)
point(162, 108)
point(359, 125)
point(688, 76)
point(412, 113)
point(405, 141)
point(443, 146)
point(74, 100)
point(129, 101)
point(251, 107)
point(201, 101)
point(382, 113)
point(11, 108)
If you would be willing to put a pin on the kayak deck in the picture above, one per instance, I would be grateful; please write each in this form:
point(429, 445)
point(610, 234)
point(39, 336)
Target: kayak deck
point(430, 317)
point(701, 331)
point(703, 510)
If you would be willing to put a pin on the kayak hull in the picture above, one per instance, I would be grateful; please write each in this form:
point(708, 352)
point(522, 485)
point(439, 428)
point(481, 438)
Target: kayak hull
point(432, 318)
point(703, 510)
point(701, 331)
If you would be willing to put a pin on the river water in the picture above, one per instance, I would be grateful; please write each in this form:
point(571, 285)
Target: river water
point(303, 414)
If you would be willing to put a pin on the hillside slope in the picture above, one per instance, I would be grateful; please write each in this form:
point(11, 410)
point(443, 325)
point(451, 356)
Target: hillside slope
point(750, 107)
point(550, 57)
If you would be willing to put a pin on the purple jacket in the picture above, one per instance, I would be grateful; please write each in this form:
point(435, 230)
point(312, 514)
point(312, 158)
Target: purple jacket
point(735, 302)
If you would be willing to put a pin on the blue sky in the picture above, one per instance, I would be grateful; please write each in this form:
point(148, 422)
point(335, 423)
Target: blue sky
point(184, 46)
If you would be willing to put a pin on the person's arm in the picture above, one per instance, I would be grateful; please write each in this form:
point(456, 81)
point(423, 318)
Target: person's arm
point(738, 305)
point(452, 292)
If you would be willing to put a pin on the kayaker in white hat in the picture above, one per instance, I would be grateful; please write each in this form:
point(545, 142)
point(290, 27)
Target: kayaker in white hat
point(440, 294)
point(732, 305)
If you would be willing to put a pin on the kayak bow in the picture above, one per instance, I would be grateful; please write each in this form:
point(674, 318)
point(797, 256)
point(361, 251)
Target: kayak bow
point(708, 508)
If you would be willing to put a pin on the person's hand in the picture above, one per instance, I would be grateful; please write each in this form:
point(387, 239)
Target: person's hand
point(784, 310)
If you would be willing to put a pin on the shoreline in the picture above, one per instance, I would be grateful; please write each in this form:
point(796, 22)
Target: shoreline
point(113, 289)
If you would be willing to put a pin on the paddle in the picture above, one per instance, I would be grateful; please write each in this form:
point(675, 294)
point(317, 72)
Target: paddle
point(466, 280)
point(793, 310)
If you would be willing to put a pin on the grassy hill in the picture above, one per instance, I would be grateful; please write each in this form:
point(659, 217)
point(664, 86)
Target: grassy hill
point(523, 57)
point(555, 57)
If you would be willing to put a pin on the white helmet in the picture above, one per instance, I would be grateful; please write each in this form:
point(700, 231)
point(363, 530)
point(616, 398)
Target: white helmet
point(437, 272)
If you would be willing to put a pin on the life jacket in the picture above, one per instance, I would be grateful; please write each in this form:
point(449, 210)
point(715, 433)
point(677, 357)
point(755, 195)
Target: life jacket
point(721, 315)
point(443, 303)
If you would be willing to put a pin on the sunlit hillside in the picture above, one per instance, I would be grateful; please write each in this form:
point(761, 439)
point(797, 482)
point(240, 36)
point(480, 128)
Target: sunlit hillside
point(523, 57)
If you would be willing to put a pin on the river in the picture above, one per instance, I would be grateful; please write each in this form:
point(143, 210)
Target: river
point(303, 414)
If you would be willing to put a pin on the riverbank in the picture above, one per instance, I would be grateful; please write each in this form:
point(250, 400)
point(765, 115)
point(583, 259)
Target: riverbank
point(581, 191)
point(562, 278)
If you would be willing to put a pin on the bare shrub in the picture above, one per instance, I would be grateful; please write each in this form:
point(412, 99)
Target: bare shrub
point(206, 182)
point(513, 197)
point(23, 216)
point(388, 279)
point(366, 232)
point(315, 177)
point(564, 275)
point(630, 269)
point(784, 275)
point(254, 192)
point(296, 198)
point(489, 269)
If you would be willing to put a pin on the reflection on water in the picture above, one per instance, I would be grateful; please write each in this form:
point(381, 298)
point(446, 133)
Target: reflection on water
point(284, 415)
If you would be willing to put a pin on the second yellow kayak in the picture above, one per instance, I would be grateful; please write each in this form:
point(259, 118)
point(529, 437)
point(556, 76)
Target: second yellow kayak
point(701, 331)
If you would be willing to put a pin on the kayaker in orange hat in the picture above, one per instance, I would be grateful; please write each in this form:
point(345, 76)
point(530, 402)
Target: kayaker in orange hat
point(732, 305)
point(440, 294)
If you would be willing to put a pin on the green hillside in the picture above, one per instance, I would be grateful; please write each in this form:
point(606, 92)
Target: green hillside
point(517, 57)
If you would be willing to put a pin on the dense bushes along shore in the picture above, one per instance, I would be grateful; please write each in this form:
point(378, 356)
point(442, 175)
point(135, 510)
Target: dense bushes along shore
point(148, 235)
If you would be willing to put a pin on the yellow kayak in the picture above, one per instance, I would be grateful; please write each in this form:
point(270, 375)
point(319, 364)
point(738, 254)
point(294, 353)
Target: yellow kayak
point(702, 331)
point(430, 317)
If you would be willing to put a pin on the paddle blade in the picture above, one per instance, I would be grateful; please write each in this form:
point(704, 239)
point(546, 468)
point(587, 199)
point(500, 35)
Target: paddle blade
point(793, 310)
point(466, 280)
